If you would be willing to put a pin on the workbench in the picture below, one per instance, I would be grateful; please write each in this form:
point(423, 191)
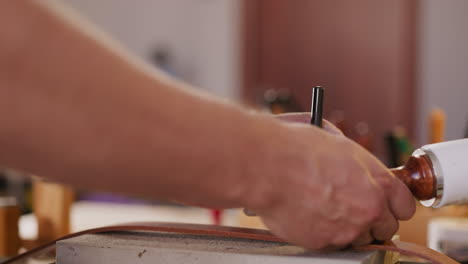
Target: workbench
point(148, 247)
point(160, 247)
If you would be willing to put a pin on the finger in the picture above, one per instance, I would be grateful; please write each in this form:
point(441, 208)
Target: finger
point(304, 118)
point(329, 127)
point(295, 117)
point(385, 227)
point(364, 239)
point(401, 201)
point(333, 248)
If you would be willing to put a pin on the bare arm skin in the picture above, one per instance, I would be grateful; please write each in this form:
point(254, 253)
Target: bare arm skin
point(76, 108)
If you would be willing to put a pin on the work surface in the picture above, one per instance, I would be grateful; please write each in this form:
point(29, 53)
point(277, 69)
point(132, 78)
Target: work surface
point(101, 244)
point(160, 247)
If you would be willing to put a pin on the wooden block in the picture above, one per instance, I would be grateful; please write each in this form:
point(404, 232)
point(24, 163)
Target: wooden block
point(9, 234)
point(51, 205)
point(250, 221)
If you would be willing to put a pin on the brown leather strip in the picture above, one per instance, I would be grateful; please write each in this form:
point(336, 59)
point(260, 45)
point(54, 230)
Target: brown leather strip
point(404, 248)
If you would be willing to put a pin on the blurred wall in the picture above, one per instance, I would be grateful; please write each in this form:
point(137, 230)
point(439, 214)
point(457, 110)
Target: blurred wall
point(202, 35)
point(361, 51)
point(443, 64)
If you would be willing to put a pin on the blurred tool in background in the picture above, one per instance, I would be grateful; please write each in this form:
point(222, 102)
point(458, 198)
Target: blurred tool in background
point(16, 184)
point(392, 150)
point(280, 101)
point(3, 183)
point(217, 215)
point(9, 234)
point(466, 130)
point(405, 149)
point(437, 125)
point(399, 147)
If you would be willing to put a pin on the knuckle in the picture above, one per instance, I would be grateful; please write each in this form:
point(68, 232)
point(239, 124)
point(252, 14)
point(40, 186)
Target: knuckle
point(353, 234)
point(363, 240)
point(387, 235)
point(374, 209)
point(346, 237)
point(392, 230)
point(318, 245)
point(339, 242)
point(386, 182)
point(319, 242)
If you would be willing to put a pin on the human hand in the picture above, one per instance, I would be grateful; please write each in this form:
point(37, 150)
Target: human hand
point(322, 190)
point(304, 118)
point(301, 118)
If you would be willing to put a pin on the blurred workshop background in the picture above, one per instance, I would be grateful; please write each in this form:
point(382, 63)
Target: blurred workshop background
point(395, 73)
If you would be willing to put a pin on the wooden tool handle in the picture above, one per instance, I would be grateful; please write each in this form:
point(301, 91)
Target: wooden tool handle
point(243, 233)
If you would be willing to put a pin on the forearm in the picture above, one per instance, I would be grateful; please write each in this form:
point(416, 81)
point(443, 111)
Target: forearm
point(76, 110)
point(72, 109)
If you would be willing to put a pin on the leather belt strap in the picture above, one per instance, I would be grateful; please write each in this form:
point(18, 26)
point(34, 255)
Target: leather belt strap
point(404, 248)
